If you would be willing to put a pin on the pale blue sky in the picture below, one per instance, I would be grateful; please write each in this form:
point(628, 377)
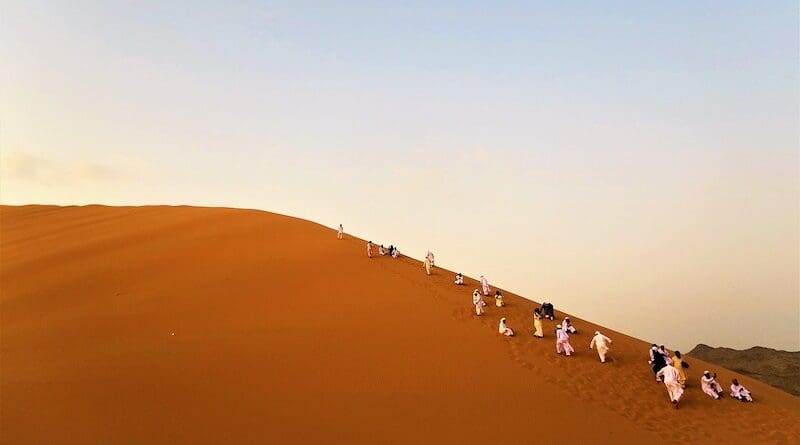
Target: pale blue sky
point(618, 158)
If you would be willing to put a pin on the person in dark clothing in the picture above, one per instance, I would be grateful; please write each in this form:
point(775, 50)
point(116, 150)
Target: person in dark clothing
point(657, 361)
point(548, 311)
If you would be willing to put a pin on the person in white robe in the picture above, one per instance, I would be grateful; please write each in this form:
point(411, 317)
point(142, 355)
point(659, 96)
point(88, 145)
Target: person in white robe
point(601, 342)
point(369, 249)
point(670, 377)
point(710, 385)
point(340, 233)
point(395, 253)
point(562, 343)
point(566, 325)
point(504, 329)
point(429, 256)
point(485, 285)
point(459, 279)
point(427, 263)
point(739, 392)
point(478, 302)
point(382, 250)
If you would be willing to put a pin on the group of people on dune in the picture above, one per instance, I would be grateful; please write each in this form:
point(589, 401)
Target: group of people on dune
point(391, 250)
point(599, 342)
point(670, 370)
point(667, 369)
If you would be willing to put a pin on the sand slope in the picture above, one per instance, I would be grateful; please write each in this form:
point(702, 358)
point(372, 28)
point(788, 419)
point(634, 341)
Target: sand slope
point(285, 335)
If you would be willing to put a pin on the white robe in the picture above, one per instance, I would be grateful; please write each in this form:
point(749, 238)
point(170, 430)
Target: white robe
point(710, 386)
point(478, 302)
point(670, 377)
point(505, 330)
point(429, 256)
point(739, 392)
point(602, 342)
point(485, 285)
point(562, 343)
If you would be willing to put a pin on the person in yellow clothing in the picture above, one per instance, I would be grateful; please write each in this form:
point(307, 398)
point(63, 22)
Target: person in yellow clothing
point(498, 299)
point(428, 265)
point(677, 362)
point(537, 322)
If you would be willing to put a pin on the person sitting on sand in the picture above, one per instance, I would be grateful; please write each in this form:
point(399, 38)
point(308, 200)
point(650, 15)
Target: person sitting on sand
point(498, 299)
point(548, 311)
point(428, 265)
point(602, 342)
point(566, 325)
point(670, 377)
point(369, 249)
point(382, 250)
point(485, 285)
point(710, 385)
point(657, 361)
point(478, 302)
point(395, 252)
point(739, 392)
point(340, 232)
point(537, 322)
point(562, 342)
point(679, 364)
point(505, 330)
point(459, 279)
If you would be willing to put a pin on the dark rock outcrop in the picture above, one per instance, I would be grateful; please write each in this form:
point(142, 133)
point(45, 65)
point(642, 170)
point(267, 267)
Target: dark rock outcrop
point(777, 368)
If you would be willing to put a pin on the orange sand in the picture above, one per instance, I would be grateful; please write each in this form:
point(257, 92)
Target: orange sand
point(283, 334)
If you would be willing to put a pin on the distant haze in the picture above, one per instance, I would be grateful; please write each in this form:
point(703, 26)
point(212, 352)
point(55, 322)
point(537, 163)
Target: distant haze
point(634, 163)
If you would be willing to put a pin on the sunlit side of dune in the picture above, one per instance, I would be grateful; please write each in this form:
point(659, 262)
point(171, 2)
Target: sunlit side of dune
point(210, 325)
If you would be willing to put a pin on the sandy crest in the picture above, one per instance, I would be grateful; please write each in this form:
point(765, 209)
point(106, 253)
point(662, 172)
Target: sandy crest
point(284, 334)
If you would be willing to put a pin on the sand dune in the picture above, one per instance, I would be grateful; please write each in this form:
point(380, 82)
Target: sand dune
point(283, 334)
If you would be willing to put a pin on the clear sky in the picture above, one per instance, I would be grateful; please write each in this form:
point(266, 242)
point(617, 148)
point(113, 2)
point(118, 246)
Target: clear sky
point(635, 162)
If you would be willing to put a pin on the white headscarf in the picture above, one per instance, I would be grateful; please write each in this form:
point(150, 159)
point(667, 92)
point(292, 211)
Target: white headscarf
point(502, 328)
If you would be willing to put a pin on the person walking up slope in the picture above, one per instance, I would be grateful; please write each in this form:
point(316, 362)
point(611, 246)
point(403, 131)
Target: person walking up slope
point(340, 233)
point(679, 364)
point(562, 342)
point(485, 285)
point(478, 302)
point(369, 249)
point(429, 256)
point(427, 265)
point(670, 377)
point(602, 342)
point(537, 322)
